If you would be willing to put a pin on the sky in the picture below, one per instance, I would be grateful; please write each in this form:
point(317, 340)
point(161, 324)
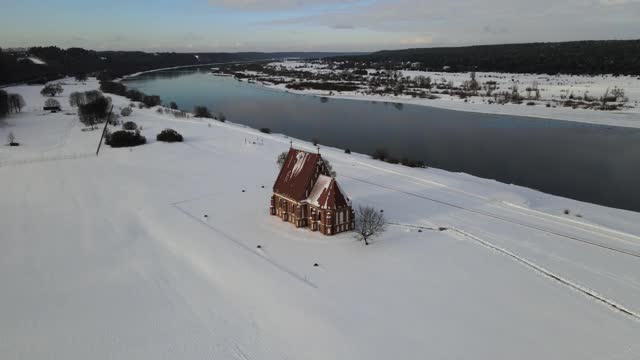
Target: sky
point(309, 25)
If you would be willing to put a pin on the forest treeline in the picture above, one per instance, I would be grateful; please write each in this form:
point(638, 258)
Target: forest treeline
point(618, 57)
point(15, 66)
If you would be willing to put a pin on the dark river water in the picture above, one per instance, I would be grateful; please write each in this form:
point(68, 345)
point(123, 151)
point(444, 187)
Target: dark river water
point(597, 164)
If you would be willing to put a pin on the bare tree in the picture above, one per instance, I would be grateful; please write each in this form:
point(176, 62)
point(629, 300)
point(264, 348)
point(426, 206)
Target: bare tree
point(113, 119)
point(604, 99)
point(332, 172)
point(616, 92)
point(490, 86)
point(92, 95)
point(4, 103)
point(52, 89)
point(423, 82)
point(533, 88)
point(515, 93)
point(473, 84)
point(398, 88)
point(11, 138)
point(535, 85)
point(380, 154)
point(95, 111)
point(281, 159)
point(77, 98)
point(202, 112)
point(16, 103)
point(369, 223)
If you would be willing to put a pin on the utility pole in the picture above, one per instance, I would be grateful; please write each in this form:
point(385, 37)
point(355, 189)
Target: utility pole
point(104, 131)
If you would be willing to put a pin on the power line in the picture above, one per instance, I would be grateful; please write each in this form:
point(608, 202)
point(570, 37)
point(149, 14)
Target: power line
point(497, 217)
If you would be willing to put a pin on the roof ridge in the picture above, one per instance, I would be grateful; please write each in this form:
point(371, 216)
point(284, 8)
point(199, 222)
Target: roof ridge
point(296, 174)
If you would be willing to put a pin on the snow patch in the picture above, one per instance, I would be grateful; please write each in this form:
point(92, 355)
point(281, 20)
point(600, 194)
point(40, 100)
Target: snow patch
point(322, 185)
point(301, 159)
point(34, 60)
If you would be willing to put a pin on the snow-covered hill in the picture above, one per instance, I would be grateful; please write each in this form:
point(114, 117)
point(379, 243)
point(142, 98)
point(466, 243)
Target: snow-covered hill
point(112, 257)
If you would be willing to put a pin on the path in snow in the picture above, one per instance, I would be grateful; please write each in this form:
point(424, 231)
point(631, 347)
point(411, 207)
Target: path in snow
point(538, 236)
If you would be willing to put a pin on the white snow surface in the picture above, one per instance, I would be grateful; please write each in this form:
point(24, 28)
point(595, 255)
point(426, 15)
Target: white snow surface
point(36, 60)
point(112, 257)
point(319, 187)
point(552, 88)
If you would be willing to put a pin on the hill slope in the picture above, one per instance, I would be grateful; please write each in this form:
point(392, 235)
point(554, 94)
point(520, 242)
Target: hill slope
point(56, 63)
point(112, 256)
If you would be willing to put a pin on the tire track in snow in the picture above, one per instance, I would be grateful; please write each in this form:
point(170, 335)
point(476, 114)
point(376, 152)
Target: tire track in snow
point(548, 273)
point(595, 229)
point(245, 247)
point(501, 218)
point(423, 180)
point(44, 159)
point(599, 230)
point(421, 227)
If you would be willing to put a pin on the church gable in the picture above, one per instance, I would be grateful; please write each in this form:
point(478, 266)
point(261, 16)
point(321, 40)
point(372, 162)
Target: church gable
point(326, 194)
point(298, 174)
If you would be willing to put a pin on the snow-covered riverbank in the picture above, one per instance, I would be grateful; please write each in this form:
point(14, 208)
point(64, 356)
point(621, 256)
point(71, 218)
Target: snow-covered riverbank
point(113, 257)
point(553, 89)
point(611, 118)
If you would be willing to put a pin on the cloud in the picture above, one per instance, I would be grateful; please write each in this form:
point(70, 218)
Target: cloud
point(445, 22)
point(190, 36)
point(494, 30)
point(342, 26)
point(79, 39)
point(417, 41)
point(345, 25)
point(276, 5)
point(618, 2)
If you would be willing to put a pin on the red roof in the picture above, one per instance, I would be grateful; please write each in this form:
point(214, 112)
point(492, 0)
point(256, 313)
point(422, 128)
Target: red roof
point(326, 194)
point(297, 174)
point(300, 181)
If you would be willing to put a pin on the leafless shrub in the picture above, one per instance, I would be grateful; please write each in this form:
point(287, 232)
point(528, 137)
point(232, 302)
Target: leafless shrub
point(369, 223)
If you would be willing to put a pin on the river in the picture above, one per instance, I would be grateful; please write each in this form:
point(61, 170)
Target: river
point(591, 163)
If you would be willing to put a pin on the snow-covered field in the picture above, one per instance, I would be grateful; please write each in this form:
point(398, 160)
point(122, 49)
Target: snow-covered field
point(112, 257)
point(553, 89)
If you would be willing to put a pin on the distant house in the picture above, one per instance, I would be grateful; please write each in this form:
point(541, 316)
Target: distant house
point(305, 195)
